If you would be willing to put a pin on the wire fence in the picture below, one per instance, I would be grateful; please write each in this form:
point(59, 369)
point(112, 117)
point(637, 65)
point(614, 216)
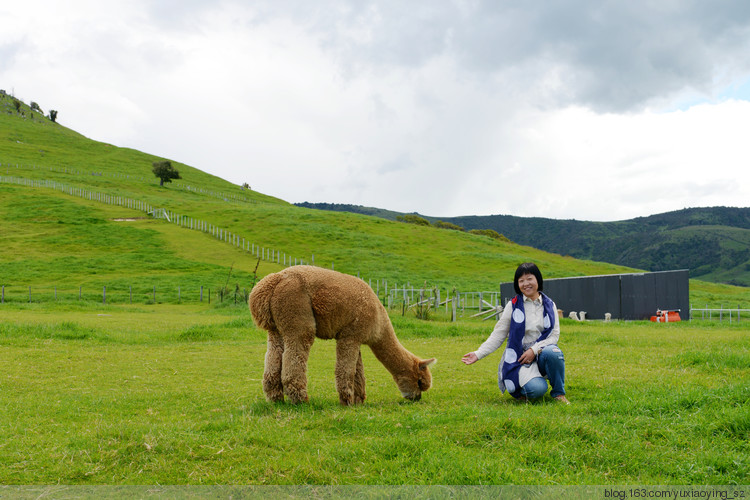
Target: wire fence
point(406, 297)
point(108, 295)
point(407, 300)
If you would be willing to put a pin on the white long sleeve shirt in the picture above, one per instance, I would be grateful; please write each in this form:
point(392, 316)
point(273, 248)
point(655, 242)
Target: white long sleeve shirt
point(534, 311)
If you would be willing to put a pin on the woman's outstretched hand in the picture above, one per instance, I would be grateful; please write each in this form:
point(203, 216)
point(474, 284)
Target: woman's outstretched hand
point(469, 358)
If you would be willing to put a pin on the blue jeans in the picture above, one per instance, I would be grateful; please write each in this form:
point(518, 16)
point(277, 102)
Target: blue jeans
point(551, 364)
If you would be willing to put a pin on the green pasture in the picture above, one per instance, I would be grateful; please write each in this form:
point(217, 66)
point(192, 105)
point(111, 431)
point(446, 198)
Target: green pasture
point(65, 247)
point(171, 394)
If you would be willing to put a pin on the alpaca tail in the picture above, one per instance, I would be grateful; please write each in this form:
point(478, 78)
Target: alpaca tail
point(260, 301)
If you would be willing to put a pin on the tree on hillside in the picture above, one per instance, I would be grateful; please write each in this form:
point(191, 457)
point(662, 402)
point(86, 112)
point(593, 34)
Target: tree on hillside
point(165, 172)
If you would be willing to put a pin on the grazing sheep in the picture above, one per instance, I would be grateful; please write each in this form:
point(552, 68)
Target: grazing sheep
point(582, 315)
point(573, 315)
point(303, 302)
point(607, 317)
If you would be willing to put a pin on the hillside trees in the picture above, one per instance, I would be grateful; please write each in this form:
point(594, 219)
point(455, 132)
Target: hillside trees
point(165, 171)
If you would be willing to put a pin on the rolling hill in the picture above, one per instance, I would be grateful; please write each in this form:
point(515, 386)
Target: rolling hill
point(74, 213)
point(713, 243)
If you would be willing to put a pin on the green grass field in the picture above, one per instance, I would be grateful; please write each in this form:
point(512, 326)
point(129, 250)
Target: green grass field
point(172, 395)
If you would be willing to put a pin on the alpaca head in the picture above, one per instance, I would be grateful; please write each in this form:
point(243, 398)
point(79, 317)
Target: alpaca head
point(415, 381)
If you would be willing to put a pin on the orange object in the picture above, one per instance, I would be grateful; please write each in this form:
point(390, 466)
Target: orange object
point(666, 316)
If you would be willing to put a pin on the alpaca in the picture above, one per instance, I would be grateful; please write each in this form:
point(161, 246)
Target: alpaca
point(582, 315)
point(573, 315)
point(303, 302)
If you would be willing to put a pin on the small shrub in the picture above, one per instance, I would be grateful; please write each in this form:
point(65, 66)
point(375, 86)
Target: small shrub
point(448, 225)
point(413, 219)
point(491, 233)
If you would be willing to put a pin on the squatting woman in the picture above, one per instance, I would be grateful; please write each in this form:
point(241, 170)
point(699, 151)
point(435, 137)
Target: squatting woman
point(531, 327)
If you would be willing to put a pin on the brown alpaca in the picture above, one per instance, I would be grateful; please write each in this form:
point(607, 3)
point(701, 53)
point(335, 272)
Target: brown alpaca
point(303, 302)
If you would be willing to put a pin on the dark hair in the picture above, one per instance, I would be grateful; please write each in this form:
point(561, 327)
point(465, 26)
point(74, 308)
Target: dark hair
point(528, 268)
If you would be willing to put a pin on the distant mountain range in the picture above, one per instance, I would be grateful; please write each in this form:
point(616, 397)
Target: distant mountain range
point(713, 243)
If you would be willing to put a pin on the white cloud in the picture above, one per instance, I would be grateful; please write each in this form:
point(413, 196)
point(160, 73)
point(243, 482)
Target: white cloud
point(561, 109)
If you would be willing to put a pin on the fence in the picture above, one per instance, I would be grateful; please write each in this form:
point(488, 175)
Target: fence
point(455, 302)
point(122, 294)
point(222, 234)
point(403, 297)
point(719, 314)
point(394, 297)
point(228, 197)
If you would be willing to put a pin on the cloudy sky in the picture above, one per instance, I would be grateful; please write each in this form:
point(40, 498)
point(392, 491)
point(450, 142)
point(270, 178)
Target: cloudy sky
point(589, 110)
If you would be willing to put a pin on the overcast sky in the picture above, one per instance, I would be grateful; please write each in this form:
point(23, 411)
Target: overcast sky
point(589, 110)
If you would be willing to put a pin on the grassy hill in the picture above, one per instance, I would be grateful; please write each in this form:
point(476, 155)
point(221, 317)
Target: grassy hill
point(66, 235)
point(714, 243)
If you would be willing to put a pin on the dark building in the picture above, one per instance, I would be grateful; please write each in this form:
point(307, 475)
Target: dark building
point(625, 296)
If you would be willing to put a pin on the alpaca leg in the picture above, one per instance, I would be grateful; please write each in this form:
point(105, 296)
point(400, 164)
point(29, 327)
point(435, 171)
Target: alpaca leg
point(347, 356)
point(272, 387)
point(359, 381)
point(294, 367)
point(293, 315)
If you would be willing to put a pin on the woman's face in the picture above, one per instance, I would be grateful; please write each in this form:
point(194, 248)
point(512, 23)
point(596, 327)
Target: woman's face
point(529, 286)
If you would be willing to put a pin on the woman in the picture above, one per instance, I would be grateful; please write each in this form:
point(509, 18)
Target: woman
point(529, 323)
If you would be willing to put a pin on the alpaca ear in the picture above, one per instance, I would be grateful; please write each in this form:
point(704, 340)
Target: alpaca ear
point(427, 362)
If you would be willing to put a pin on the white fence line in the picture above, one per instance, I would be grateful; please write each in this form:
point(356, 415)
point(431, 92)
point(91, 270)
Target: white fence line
point(228, 197)
point(721, 314)
point(484, 302)
point(263, 253)
point(405, 294)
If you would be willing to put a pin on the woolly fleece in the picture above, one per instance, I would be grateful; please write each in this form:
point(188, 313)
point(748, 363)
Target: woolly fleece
point(303, 302)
